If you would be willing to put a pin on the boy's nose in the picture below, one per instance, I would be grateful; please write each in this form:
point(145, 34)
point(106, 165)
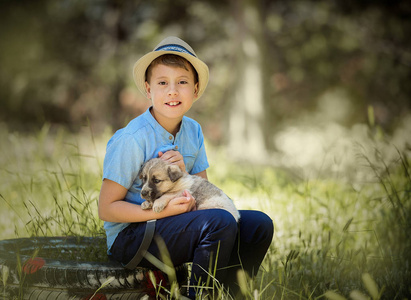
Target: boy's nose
point(172, 91)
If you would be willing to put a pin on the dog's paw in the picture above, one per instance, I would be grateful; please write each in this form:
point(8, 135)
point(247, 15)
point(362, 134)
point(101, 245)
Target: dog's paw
point(146, 205)
point(158, 207)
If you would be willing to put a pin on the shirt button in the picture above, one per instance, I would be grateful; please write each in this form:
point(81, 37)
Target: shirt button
point(170, 137)
point(176, 148)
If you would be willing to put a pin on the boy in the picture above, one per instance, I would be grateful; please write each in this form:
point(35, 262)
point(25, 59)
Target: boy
point(173, 78)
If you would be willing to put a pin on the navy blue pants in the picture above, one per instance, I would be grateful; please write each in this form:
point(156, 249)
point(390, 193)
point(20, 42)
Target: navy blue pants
point(196, 236)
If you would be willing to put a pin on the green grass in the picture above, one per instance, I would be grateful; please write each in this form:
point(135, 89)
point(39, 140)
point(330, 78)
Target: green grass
point(329, 232)
point(337, 233)
point(49, 184)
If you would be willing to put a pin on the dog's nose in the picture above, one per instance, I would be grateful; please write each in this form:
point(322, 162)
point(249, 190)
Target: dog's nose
point(144, 193)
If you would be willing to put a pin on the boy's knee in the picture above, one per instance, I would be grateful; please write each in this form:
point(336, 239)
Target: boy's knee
point(257, 225)
point(266, 226)
point(220, 220)
point(267, 223)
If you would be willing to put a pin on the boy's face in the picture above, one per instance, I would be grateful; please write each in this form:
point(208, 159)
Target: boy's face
point(172, 91)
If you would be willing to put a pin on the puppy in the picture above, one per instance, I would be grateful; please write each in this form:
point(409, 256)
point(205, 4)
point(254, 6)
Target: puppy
point(163, 182)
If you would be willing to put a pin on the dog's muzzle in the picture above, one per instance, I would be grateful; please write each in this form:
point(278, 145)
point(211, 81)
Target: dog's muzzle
point(146, 194)
point(150, 195)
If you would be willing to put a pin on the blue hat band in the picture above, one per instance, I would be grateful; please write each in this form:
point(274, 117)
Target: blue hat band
point(174, 47)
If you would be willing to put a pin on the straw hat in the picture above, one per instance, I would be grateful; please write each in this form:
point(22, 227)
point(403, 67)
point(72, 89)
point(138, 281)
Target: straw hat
point(171, 45)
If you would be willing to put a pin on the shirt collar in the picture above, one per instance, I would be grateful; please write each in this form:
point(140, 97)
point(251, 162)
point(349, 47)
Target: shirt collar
point(158, 128)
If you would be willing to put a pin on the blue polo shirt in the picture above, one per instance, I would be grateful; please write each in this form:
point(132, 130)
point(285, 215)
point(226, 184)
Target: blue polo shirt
point(140, 141)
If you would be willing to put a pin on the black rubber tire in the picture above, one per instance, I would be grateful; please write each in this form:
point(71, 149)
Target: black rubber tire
point(70, 268)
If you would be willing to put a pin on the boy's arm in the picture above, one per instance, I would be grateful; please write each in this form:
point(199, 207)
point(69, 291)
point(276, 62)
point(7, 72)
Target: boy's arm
point(202, 174)
point(113, 208)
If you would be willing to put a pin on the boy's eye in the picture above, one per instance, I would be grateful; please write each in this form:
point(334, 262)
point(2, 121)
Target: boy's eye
point(162, 83)
point(183, 82)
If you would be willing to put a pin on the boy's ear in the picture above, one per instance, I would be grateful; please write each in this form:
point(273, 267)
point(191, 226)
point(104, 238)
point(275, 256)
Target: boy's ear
point(174, 172)
point(196, 89)
point(148, 90)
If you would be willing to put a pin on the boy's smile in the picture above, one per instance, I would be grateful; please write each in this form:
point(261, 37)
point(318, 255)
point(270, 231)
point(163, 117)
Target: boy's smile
point(173, 103)
point(172, 91)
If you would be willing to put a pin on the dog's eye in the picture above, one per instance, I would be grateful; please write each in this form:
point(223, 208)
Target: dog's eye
point(156, 181)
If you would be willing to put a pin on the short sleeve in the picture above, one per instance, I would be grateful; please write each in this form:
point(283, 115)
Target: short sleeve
point(123, 160)
point(201, 162)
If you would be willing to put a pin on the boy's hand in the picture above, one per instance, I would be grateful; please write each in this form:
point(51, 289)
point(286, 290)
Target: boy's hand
point(174, 158)
point(182, 204)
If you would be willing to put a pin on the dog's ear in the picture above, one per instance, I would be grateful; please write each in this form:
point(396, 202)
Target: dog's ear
point(174, 172)
point(140, 172)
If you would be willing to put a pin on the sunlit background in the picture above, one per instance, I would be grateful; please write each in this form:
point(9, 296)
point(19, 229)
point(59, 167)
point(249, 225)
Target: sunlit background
point(275, 65)
point(306, 112)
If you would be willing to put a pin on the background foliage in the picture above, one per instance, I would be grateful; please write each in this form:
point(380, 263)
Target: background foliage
point(67, 62)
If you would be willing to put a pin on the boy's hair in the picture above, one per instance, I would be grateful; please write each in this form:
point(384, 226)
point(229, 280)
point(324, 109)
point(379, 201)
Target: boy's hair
point(171, 60)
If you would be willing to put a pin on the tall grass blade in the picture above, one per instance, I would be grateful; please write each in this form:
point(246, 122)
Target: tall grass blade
point(5, 275)
point(104, 284)
point(357, 295)
point(166, 258)
point(333, 296)
point(347, 225)
point(371, 286)
point(242, 282)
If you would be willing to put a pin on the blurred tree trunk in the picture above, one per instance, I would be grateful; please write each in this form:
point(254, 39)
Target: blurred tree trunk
point(246, 117)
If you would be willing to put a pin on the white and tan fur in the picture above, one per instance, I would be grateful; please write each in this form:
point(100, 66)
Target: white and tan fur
point(163, 182)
